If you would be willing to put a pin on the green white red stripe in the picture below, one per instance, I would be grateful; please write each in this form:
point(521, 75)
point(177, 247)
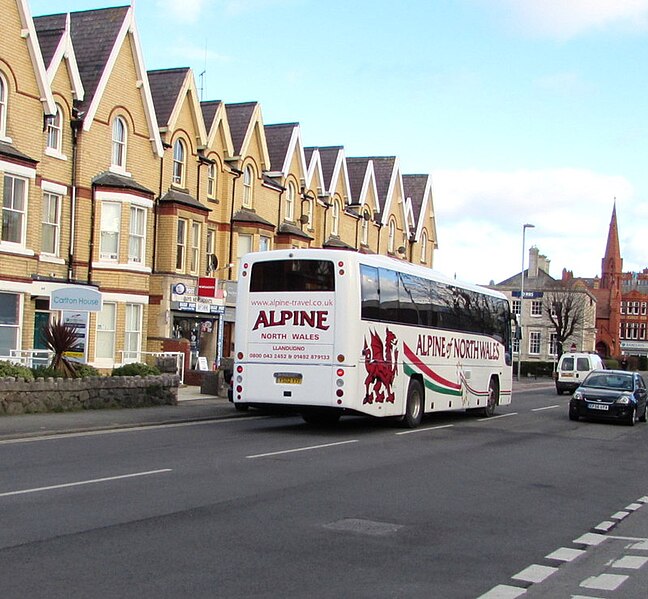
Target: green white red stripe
point(432, 380)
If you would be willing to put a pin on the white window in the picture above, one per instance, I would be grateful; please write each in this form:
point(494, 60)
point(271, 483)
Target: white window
point(210, 251)
point(391, 243)
point(309, 213)
point(51, 223)
point(137, 235)
point(119, 134)
point(644, 306)
point(54, 130)
point(536, 308)
point(244, 246)
point(106, 321)
point(9, 322)
point(211, 181)
point(110, 228)
point(264, 243)
point(181, 245)
point(424, 247)
point(290, 202)
point(534, 342)
point(516, 345)
point(642, 331)
point(4, 93)
point(553, 344)
point(179, 163)
point(516, 306)
point(194, 256)
point(14, 210)
point(248, 179)
point(335, 227)
point(133, 333)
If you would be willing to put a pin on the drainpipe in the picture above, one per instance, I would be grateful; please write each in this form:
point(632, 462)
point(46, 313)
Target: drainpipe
point(156, 209)
point(75, 124)
point(237, 174)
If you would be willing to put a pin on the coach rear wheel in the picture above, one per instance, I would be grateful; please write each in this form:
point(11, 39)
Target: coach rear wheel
point(493, 398)
point(415, 405)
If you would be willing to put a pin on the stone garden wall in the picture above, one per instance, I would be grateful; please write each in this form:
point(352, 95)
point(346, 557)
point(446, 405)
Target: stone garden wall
point(18, 396)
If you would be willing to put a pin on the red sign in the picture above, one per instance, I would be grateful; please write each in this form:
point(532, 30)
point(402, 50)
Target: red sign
point(207, 287)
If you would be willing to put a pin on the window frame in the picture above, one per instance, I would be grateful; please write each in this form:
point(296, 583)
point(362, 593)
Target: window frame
point(289, 205)
point(424, 247)
point(119, 144)
point(21, 212)
point(212, 181)
point(137, 237)
point(335, 218)
point(535, 343)
point(178, 175)
point(391, 239)
point(105, 231)
point(248, 187)
point(132, 333)
point(15, 325)
point(54, 132)
point(47, 199)
point(105, 338)
point(181, 245)
point(194, 247)
point(4, 107)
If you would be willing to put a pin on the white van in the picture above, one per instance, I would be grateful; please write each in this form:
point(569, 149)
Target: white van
point(573, 367)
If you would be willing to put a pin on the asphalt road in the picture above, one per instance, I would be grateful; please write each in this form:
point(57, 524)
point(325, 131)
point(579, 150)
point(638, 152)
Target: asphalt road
point(263, 506)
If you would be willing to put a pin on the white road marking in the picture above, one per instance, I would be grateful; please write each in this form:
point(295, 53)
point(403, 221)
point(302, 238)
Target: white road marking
point(565, 554)
point(633, 507)
point(273, 453)
point(620, 515)
point(605, 526)
point(535, 573)
point(631, 562)
point(503, 591)
point(604, 582)
point(546, 408)
point(590, 538)
point(123, 429)
point(85, 482)
point(422, 430)
point(497, 417)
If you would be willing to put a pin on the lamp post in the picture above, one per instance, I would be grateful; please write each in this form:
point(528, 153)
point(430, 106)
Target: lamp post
point(519, 364)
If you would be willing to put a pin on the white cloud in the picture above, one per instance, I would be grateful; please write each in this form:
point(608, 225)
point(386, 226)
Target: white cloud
point(568, 18)
point(186, 11)
point(480, 216)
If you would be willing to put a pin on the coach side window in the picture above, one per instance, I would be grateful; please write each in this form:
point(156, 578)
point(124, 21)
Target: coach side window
point(369, 292)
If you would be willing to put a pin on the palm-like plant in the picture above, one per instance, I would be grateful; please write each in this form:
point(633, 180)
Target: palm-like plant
point(61, 338)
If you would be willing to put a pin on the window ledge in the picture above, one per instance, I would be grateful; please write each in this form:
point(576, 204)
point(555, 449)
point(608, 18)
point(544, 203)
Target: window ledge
point(13, 248)
point(119, 170)
point(51, 259)
point(52, 153)
point(121, 266)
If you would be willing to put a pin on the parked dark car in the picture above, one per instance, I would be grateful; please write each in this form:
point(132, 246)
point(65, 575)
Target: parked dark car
point(610, 394)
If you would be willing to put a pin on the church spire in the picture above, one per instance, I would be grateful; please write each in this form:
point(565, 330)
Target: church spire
point(612, 264)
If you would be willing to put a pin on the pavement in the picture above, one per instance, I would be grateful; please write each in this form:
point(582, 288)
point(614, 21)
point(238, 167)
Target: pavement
point(193, 406)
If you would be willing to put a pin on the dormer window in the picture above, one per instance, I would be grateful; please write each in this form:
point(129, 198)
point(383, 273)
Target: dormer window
point(119, 140)
point(4, 92)
point(54, 131)
point(290, 202)
point(335, 226)
point(179, 163)
point(248, 178)
point(391, 244)
point(365, 227)
point(211, 181)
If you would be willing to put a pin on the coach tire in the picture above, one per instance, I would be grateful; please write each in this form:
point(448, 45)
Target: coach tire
point(414, 406)
point(493, 398)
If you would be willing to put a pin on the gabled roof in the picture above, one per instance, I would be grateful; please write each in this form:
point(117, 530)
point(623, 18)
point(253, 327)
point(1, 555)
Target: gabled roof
point(362, 180)
point(36, 56)
point(314, 162)
point(169, 90)
point(56, 45)
point(418, 192)
point(215, 119)
point(244, 120)
point(98, 36)
point(284, 140)
point(333, 167)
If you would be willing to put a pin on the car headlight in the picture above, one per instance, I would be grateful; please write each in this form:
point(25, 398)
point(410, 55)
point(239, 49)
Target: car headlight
point(578, 395)
point(623, 400)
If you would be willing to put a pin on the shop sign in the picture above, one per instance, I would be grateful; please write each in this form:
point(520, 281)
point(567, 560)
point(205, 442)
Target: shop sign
point(528, 294)
point(79, 320)
point(86, 299)
point(207, 286)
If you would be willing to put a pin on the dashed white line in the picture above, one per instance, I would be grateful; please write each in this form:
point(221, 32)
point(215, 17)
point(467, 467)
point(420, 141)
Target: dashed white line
point(535, 573)
point(565, 554)
point(546, 408)
point(85, 482)
point(590, 538)
point(422, 430)
point(503, 591)
point(297, 449)
point(490, 418)
point(604, 582)
point(630, 562)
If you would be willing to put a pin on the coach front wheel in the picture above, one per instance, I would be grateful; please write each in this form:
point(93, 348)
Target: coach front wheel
point(493, 398)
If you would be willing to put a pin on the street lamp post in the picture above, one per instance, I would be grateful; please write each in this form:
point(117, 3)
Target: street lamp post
point(519, 364)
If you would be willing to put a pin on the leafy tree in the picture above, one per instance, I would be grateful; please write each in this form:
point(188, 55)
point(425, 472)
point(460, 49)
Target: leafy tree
point(61, 339)
point(565, 306)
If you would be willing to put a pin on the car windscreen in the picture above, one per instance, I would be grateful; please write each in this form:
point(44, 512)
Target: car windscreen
point(622, 382)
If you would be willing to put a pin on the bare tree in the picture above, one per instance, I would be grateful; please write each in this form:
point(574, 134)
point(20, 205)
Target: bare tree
point(565, 306)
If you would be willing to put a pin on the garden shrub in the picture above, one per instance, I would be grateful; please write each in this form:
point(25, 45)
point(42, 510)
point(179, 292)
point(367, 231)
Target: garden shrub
point(135, 369)
point(9, 369)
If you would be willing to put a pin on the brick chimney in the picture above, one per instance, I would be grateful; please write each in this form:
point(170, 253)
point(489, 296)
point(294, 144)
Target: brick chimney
point(533, 262)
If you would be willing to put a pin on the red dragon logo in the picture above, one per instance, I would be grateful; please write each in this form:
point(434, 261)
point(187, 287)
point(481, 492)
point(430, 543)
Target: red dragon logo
point(381, 362)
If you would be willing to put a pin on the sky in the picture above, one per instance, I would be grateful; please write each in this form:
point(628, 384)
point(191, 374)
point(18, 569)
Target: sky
point(522, 111)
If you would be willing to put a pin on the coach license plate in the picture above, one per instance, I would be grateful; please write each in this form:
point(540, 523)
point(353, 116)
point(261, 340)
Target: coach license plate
point(288, 380)
point(597, 406)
